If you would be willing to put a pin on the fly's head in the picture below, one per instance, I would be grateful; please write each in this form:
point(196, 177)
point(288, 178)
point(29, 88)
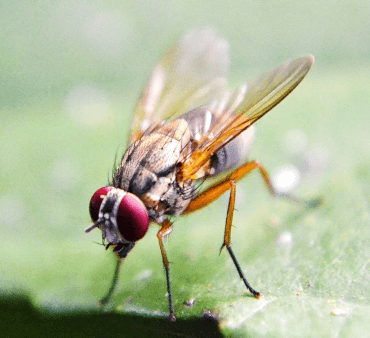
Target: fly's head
point(122, 217)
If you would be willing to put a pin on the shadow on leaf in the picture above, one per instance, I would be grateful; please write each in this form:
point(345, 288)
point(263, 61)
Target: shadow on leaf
point(19, 318)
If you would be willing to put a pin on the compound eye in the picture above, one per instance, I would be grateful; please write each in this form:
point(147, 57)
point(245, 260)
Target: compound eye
point(132, 218)
point(96, 201)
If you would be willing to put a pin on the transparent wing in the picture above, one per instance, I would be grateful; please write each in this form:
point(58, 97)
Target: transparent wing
point(190, 74)
point(250, 102)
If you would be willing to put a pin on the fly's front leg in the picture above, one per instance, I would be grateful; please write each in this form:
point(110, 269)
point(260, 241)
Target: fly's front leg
point(107, 297)
point(165, 231)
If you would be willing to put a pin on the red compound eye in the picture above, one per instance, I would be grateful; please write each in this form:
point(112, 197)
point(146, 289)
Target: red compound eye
point(96, 201)
point(132, 218)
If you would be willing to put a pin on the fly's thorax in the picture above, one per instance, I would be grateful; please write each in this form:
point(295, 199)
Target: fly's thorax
point(148, 169)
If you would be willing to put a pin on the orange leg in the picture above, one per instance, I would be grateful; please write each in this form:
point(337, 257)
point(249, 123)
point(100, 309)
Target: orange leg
point(163, 232)
point(216, 191)
point(227, 239)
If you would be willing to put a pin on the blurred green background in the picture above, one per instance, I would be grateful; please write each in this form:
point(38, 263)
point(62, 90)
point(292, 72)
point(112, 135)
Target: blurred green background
point(70, 73)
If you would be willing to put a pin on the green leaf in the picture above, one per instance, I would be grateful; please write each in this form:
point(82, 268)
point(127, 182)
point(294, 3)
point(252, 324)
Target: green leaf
point(312, 265)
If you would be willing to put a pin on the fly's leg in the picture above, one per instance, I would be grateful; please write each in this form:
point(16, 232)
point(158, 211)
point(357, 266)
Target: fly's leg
point(227, 239)
point(214, 192)
point(113, 285)
point(163, 232)
point(313, 203)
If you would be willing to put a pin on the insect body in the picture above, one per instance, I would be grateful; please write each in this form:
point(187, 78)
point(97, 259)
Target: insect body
point(186, 129)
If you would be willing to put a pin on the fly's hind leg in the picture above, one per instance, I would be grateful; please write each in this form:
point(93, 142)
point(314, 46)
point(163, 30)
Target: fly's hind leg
point(214, 192)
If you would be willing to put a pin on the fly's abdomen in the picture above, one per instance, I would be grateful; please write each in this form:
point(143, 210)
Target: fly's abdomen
point(200, 121)
point(233, 154)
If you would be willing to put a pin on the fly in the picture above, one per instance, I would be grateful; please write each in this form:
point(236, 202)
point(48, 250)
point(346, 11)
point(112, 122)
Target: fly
point(187, 128)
